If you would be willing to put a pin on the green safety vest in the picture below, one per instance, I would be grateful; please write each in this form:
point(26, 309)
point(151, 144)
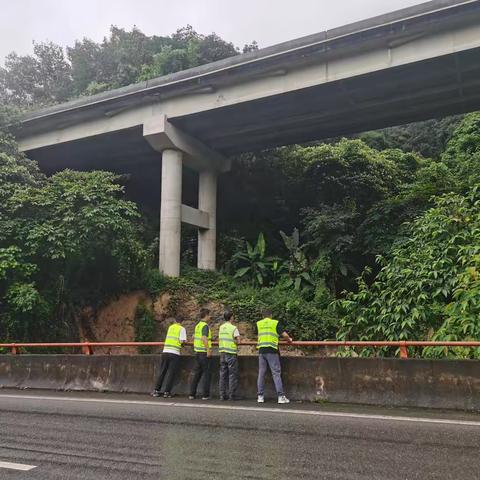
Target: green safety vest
point(172, 340)
point(198, 345)
point(267, 333)
point(226, 340)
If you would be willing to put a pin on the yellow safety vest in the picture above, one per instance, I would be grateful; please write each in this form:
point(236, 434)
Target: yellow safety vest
point(198, 345)
point(267, 333)
point(226, 340)
point(172, 340)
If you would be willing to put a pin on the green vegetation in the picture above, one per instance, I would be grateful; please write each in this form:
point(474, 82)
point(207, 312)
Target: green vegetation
point(144, 326)
point(428, 286)
point(52, 75)
point(373, 237)
point(258, 266)
point(306, 314)
point(66, 241)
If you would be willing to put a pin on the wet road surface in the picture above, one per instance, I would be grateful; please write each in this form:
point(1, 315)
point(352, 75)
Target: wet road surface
point(47, 435)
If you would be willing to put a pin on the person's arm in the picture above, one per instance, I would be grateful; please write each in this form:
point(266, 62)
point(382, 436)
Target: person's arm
point(283, 334)
point(236, 336)
point(205, 331)
point(287, 337)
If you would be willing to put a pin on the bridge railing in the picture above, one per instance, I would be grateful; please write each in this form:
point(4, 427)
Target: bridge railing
point(88, 348)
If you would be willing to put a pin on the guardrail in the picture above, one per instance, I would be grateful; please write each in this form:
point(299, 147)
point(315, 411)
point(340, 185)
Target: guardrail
point(87, 348)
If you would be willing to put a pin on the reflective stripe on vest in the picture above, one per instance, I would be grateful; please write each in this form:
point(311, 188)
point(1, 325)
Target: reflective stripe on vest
point(267, 333)
point(172, 340)
point(226, 340)
point(198, 345)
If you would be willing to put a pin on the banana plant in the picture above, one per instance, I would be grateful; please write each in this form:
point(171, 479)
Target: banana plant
point(298, 264)
point(257, 265)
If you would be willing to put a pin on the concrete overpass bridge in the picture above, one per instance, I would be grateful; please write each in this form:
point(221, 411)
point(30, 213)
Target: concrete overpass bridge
point(410, 65)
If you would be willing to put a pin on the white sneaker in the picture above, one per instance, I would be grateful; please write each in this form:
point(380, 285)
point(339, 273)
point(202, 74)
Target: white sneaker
point(283, 399)
point(260, 399)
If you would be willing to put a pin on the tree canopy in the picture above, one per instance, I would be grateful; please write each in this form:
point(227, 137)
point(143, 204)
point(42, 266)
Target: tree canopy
point(65, 241)
point(53, 75)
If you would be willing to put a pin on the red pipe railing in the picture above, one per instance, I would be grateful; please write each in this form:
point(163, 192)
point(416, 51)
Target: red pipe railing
point(87, 348)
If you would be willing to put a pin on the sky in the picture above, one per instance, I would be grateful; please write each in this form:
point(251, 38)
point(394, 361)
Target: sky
point(266, 21)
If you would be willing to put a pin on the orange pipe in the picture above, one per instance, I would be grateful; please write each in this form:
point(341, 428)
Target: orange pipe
point(87, 347)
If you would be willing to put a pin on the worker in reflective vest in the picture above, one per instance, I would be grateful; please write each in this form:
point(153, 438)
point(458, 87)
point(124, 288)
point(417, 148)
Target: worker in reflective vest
point(176, 337)
point(269, 331)
point(228, 338)
point(202, 345)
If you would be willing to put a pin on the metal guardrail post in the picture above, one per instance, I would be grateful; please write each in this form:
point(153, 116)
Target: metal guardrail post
point(14, 350)
point(404, 350)
point(87, 349)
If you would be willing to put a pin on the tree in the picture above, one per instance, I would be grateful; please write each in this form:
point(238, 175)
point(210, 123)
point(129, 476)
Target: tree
point(36, 80)
point(462, 154)
point(85, 58)
point(428, 138)
point(428, 285)
point(250, 47)
point(187, 49)
point(65, 241)
point(122, 58)
point(212, 48)
point(168, 60)
point(343, 184)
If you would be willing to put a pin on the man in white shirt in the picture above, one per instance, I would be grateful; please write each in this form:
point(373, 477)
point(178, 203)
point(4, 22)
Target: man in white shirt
point(176, 337)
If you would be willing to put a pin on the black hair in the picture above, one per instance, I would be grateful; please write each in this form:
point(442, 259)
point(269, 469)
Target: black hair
point(204, 312)
point(179, 318)
point(267, 313)
point(227, 315)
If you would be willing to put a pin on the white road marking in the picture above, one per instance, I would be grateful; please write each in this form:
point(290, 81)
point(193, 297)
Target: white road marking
point(320, 413)
point(17, 466)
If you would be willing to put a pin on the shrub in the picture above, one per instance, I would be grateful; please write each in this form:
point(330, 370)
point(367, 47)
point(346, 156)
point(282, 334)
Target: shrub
point(145, 326)
point(428, 286)
point(305, 317)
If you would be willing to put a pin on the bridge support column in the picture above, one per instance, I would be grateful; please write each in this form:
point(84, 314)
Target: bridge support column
point(179, 148)
point(207, 202)
point(170, 213)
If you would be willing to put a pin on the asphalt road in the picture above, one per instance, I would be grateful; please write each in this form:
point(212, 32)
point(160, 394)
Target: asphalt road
point(81, 436)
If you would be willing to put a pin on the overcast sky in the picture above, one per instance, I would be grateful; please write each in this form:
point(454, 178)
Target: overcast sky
point(266, 21)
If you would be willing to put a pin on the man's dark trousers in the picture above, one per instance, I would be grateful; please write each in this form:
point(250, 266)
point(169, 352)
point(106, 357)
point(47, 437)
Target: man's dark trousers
point(168, 371)
point(202, 369)
point(228, 375)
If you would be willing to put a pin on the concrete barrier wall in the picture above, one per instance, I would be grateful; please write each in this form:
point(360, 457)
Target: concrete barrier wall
point(453, 384)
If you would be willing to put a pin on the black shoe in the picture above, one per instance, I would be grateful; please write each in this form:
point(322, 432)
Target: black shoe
point(167, 395)
point(223, 398)
point(191, 397)
point(156, 393)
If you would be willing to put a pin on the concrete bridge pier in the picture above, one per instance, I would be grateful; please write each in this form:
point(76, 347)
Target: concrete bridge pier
point(178, 149)
point(171, 212)
point(207, 202)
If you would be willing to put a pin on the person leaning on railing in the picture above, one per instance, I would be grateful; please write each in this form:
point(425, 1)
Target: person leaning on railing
point(176, 337)
point(269, 331)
